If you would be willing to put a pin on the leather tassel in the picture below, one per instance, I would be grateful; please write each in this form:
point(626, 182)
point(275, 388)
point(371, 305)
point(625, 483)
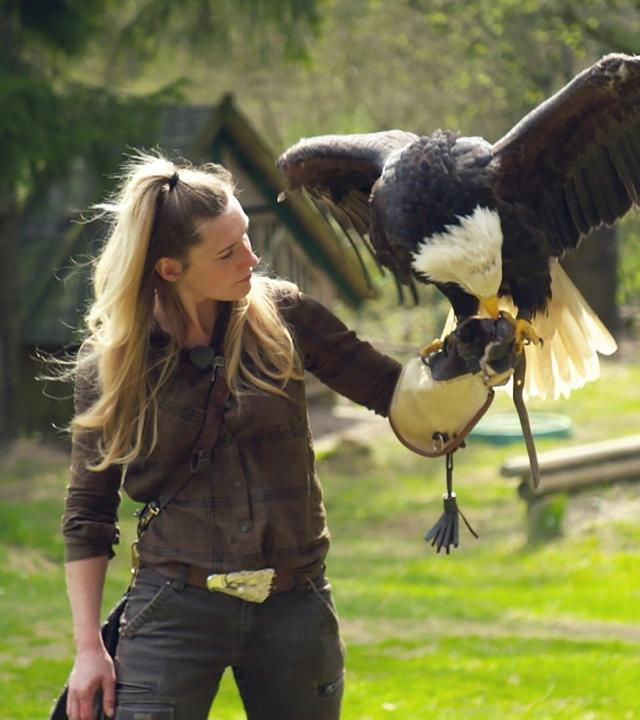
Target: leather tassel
point(446, 532)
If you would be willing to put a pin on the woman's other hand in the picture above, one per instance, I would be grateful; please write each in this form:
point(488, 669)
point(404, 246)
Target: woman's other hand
point(93, 671)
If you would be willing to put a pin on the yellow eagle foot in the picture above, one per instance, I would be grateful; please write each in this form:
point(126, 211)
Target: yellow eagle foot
point(524, 332)
point(431, 348)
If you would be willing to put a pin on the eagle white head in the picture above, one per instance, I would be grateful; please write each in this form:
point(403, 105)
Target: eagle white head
point(468, 254)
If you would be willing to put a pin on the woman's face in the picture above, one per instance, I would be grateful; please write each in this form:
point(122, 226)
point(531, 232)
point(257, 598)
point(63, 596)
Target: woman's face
point(220, 267)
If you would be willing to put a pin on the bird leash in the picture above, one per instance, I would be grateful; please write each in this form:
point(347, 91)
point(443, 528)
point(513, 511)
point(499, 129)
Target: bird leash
point(446, 531)
point(523, 416)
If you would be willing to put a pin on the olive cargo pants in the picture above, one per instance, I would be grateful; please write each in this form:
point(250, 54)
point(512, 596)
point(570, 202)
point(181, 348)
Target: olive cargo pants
point(176, 641)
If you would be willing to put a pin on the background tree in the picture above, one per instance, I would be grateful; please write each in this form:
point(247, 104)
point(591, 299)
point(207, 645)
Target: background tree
point(53, 115)
point(45, 123)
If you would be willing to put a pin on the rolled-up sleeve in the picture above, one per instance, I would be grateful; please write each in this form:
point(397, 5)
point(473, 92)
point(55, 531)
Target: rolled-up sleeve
point(89, 523)
point(335, 355)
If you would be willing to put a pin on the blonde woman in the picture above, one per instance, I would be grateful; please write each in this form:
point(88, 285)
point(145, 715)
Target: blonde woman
point(176, 275)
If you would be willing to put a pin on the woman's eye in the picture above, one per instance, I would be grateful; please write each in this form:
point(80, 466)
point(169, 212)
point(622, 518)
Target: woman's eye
point(226, 255)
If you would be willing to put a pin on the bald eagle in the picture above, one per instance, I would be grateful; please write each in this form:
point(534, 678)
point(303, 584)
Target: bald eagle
point(486, 222)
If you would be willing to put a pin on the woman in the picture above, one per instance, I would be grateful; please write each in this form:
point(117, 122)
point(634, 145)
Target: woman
point(176, 273)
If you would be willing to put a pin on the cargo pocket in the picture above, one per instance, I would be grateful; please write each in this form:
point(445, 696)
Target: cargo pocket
point(135, 618)
point(323, 593)
point(149, 710)
point(332, 689)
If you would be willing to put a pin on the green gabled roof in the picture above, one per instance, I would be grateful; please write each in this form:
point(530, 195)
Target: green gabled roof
point(228, 127)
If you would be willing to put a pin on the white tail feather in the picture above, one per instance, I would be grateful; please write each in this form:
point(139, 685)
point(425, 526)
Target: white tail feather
point(573, 336)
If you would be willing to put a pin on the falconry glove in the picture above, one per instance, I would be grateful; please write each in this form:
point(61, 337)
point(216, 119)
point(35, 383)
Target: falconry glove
point(439, 398)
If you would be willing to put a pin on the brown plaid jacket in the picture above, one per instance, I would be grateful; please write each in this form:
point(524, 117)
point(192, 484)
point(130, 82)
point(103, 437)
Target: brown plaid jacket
point(256, 502)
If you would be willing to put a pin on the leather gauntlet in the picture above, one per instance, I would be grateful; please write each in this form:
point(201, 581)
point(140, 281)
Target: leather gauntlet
point(438, 399)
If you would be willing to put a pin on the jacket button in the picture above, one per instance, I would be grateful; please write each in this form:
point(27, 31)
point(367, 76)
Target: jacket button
point(237, 483)
point(244, 527)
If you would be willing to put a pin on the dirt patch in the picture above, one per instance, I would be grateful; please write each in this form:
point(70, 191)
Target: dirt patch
point(373, 631)
point(602, 508)
point(31, 470)
point(628, 350)
point(344, 422)
point(41, 453)
point(29, 562)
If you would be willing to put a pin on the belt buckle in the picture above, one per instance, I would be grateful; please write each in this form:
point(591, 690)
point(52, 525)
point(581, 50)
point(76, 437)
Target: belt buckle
point(251, 585)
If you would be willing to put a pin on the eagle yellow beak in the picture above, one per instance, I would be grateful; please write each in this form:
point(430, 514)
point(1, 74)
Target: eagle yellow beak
point(490, 304)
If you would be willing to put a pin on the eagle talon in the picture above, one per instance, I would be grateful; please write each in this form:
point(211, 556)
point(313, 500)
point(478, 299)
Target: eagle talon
point(524, 332)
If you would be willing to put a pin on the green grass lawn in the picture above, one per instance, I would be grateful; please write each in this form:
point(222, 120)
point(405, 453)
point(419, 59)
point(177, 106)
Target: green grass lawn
point(498, 629)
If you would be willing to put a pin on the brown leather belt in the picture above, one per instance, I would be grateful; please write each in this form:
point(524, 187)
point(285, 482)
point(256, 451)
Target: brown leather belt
point(283, 580)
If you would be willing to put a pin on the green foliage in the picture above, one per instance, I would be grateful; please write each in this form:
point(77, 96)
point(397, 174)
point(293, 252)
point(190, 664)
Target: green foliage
point(172, 35)
point(473, 66)
point(48, 128)
point(54, 24)
point(52, 120)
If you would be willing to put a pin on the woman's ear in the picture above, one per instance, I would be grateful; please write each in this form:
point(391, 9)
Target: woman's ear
point(168, 269)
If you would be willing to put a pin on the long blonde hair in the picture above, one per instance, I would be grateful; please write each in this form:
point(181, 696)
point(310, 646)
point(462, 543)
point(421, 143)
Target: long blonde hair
point(154, 214)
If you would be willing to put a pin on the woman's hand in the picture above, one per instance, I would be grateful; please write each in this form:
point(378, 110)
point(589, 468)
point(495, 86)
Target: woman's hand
point(93, 670)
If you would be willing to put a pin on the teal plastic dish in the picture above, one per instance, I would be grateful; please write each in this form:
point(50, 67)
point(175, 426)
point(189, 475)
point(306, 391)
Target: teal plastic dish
point(504, 428)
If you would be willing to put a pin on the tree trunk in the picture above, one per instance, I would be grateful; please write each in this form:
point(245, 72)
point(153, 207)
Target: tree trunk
point(10, 297)
point(594, 270)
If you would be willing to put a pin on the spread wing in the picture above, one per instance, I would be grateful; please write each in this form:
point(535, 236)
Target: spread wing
point(575, 159)
point(338, 173)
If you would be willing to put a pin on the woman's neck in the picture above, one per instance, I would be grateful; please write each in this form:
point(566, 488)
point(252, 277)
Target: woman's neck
point(201, 318)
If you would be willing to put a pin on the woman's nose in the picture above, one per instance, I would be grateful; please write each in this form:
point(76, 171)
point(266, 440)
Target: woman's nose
point(252, 258)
